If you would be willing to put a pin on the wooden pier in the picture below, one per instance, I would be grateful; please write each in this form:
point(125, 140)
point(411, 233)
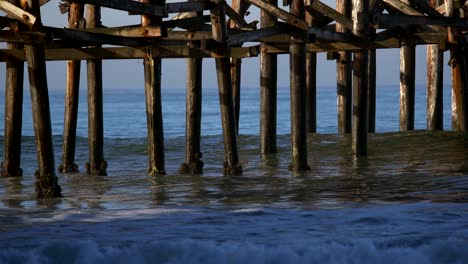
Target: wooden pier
point(201, 29)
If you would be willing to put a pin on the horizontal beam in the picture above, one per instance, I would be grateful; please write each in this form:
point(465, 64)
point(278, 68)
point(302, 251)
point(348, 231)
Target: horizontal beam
point(181, 7)
point(132, 53)
point(21, 37)
point(257, 35)
point(97, 38)
point(130, 31)
point(130, 6)
point(386, 21)
point(390, 43)
point(188, 22)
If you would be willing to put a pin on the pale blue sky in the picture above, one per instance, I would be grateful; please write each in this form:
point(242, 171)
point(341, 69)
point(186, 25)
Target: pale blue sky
point(122, 74)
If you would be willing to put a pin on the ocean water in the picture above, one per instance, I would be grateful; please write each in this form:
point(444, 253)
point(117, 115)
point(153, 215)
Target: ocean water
point(407, 202)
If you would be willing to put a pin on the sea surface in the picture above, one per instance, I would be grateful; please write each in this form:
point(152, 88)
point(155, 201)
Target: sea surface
point(407, 202)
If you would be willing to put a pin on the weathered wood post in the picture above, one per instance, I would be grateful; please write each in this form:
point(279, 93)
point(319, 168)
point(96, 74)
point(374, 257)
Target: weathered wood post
point(268, 90)
point(435, 72)
point(193, 113)
point(360, 84)
point(298, 95)
point(46, 180)
point(154, 117)
point(228, 118)
point(311, 84)
point(459, 76)
point(96, 165)
point(13, 111)
point(407, 84)
point(75, 15)
point(239, 7)
point(344, 76)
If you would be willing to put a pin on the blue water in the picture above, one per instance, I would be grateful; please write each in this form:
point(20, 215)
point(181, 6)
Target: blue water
point(405, 203)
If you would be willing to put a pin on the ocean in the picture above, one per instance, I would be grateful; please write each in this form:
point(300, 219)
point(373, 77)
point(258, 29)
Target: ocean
point(407, 202)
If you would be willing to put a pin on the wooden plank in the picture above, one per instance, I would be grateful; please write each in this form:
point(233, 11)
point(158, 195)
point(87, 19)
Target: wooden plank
point(180, 7)
point(189, 22)
point(257, 35)
point(424, 6)
point(311, 82)
point(234, 16)
point(386, 21)
point(408, 10)
point(25, 37)
point(332, 36)
point(129, 5)
point(330, 12)
point(131, 31)
point(18, 13)
point(122, 53)
point(280, 14)
point(96, 38)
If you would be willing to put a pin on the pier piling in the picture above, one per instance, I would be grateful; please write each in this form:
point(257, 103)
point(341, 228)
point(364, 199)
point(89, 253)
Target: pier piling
point(96, 165)
point(223, 72)
point(13, 116)
point(360, 83)
point(459, 75)
point(297, 54)
point(193, 113)
point(344, 77)
point(268, 89)
point(154, 117)
point(407, 86)
point(46, 180)
point(75, 16)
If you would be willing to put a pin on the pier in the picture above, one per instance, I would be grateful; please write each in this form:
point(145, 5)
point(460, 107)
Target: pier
point(215, 29)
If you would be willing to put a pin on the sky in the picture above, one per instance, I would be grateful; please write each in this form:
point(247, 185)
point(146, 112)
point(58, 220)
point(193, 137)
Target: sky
point(125, 74)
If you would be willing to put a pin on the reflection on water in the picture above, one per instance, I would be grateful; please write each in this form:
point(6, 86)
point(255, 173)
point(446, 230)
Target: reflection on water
point(401, 167)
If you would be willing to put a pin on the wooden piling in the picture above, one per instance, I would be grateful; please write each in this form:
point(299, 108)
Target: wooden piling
point(193, 113)
point(311, 84)
point(459, 76)
point(344, 75)
point(268, 90)
point(46, 180)
point(228, 118)
point(13, 116)
point(360, 83)
point(154, 117)
point(75, 16)
point(407, 86)
point(435, 71)
point(236, 69)
point(298, 96)
point(96, 165)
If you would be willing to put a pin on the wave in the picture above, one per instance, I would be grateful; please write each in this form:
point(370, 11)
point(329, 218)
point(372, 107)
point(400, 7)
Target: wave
point(452, 250)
